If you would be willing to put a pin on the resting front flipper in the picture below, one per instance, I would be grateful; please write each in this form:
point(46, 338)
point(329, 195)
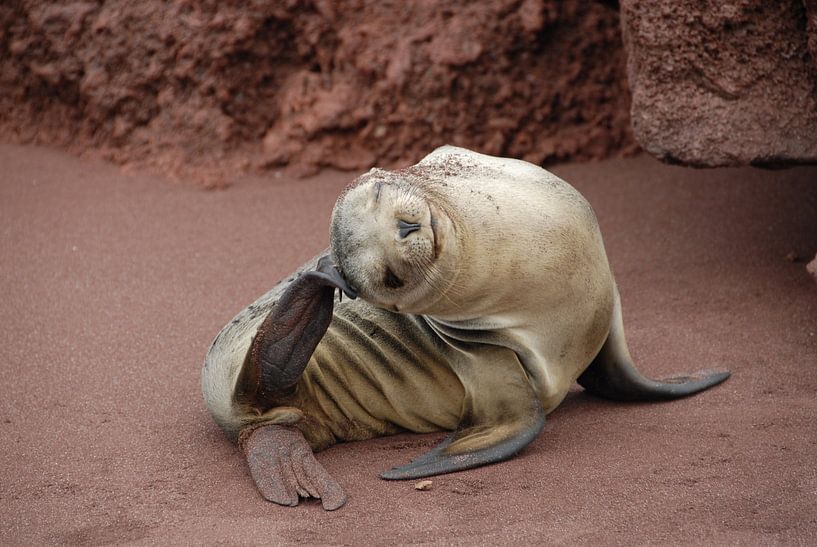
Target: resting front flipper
point(501, 415)
point(613, 375)
point(285, 469)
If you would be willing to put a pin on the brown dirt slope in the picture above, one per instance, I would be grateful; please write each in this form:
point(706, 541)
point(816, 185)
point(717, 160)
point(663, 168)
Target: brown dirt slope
point(113, 287)
point(209, 88)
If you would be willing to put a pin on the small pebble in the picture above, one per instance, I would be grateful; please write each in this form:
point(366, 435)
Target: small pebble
point(423, 485)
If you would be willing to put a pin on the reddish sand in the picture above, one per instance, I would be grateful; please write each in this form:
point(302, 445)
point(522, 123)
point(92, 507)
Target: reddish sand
point(113, 286)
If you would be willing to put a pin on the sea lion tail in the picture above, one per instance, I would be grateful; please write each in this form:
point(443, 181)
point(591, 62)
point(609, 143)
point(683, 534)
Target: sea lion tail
point(613, 375)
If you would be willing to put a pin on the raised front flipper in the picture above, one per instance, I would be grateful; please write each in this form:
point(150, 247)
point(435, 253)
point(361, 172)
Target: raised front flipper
point(285, 469)
point(289, 335)
point(613, 375)
point(501, 415)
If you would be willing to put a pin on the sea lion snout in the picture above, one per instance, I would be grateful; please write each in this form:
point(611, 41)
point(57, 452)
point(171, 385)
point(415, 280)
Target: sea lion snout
point(392, 240)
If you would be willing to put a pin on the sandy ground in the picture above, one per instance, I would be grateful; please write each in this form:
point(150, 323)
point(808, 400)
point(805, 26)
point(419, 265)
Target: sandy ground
point(114, 284)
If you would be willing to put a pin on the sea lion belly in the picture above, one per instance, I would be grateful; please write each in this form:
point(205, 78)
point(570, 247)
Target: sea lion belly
point(374, 373)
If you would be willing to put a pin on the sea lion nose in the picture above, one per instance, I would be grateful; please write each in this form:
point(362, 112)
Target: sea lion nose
point(406, 228)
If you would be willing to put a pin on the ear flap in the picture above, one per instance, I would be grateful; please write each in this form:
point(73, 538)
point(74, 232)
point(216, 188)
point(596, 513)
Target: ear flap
point(289, 335)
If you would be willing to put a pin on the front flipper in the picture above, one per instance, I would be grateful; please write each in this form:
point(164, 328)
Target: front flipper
point(613, 375)
point(285, 469)
point(501, 415)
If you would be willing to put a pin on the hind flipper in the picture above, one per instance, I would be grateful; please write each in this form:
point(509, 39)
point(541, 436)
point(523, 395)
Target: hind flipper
point(285, 469)
point(613, 375)
point(501, 415)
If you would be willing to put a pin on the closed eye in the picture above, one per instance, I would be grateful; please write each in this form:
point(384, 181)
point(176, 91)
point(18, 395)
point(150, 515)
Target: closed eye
point(391, 281)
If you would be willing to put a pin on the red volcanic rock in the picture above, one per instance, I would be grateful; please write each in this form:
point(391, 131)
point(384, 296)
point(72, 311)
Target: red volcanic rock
point(723, 83)
point(213, 87)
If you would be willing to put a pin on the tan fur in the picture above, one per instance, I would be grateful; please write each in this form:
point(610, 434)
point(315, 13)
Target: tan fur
point(508, 299)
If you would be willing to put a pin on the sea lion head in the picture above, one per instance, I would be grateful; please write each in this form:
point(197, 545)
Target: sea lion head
point(395, 241)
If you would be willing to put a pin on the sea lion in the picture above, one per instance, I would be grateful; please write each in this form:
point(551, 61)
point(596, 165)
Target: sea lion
point(484, 292)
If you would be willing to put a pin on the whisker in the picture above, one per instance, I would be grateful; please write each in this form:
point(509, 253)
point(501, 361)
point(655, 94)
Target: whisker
point(430, 273)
